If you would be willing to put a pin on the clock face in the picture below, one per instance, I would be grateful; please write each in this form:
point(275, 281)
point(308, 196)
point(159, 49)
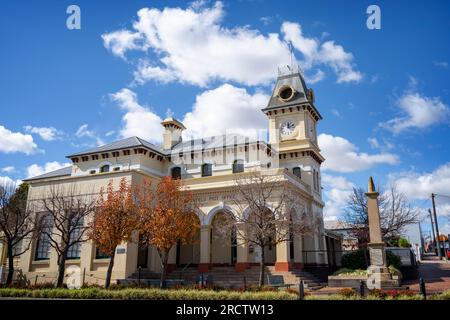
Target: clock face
point(287, 128)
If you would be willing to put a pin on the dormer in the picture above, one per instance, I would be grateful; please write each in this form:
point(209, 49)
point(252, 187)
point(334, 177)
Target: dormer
point(172, 132)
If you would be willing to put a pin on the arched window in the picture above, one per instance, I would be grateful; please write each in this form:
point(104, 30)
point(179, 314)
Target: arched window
point(104, 168)
point(297, 171)
point(238, 166)
point(176, 173)
point(206, 170)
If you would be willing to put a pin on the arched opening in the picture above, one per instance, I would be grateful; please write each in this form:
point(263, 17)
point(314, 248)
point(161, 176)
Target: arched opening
point(176, 173)
point(297, 172)
point(188, 254)
point(256, 223)
point(223, 241)
point(104, 168)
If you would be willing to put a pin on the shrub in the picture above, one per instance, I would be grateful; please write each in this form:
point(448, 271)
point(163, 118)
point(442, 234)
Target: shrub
point(358, 259)
point(393, 260)
point(150, 294)
point(350, 272)
point(394, 271)
point(347, 292)
point(377, 293)
point(403, 243)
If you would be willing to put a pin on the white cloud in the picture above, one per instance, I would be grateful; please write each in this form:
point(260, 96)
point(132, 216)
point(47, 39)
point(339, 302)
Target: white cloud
point(8, 169)
point(83, 131)
point(138, 120)
point(120, 41)
point(226, 109)
point(36, 170)
point(336, 113)
point(442, 64)
point(191, 45)
point(46, 133)
point(420, 185)
point(6, 181)
point(343, 156)
point(337, 190)
point(417, 112)
point(327, 53)
point(11, 142)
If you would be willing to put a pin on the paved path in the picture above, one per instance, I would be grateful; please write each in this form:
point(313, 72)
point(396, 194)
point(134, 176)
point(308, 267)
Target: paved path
point(436, 274)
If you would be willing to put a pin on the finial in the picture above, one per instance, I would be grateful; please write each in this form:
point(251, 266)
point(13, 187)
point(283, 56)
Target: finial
point(371, 187)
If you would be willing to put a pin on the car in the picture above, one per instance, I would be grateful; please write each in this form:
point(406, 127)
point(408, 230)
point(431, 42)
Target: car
point(448, 254)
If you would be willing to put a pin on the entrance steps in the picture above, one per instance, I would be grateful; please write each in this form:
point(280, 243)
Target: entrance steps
point(227, 276)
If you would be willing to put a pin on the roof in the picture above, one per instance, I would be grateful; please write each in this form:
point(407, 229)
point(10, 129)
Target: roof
point(214, 142)
point(295, 81)
point(131, 142)
point(66, 171)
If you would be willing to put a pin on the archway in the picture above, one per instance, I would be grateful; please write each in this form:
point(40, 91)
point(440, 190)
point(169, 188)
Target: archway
point(255, 223)
point(223, 241)
point(189, 254)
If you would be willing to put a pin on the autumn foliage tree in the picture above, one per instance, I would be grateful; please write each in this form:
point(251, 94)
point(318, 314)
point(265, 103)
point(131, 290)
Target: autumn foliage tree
point(114, 221)
point(167, 217)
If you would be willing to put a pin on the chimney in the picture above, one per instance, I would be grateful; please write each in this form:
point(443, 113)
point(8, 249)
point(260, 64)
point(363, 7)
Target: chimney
point(172, 132)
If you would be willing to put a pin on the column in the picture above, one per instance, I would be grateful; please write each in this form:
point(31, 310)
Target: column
point(242, 248)
point(205, 248)
point(298, 252)
point(283, 258)
point(325, 248)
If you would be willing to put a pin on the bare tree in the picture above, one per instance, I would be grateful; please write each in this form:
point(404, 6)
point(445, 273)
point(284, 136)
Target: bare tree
point(16, 223)
point(395, 214)
point(269, 212)
point(65, 224)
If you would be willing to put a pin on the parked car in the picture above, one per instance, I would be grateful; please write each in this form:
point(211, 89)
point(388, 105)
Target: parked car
point(448, 254)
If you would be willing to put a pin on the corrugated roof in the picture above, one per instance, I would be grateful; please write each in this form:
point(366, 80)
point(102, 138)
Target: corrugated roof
point(214, 142)
point(131, 142)
point(66, 171)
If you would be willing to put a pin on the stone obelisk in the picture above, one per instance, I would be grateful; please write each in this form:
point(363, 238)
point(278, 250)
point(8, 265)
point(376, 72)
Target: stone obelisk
point(378, 272)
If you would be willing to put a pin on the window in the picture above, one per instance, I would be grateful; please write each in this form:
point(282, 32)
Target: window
point(43, 243)
point(297, 172)
point(92, 172)
point(104, 168)
point(238, 166)
point(314, 179)
point(176, 173)
point(75, 250)
point(206, 170)
point(116, 169)
point(317, 181)
point(100, 255)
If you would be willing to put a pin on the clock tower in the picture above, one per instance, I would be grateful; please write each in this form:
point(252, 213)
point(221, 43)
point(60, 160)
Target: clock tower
point(293, 121)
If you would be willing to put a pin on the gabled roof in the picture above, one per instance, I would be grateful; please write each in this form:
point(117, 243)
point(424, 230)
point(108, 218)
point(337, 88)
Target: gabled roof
point(127, 143)
point(66, 171)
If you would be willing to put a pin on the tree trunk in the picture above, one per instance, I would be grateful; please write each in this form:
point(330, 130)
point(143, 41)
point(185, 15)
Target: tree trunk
point(9, 279)
point(262, 265)
point(61, 269)
point(110, 268)
point(164, 258)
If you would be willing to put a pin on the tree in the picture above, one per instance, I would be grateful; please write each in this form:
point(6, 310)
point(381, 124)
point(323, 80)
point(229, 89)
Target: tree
point(17, 223)
point(395, 214)
point(65, 223)
point(270, 211)
point(167, 217)
point(114, 221)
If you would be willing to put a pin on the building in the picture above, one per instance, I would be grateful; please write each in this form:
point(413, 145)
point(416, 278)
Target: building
point(207, 167)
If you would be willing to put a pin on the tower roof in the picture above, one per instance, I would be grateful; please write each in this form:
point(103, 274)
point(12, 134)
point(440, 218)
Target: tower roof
point(173, 122)
point(290, 89)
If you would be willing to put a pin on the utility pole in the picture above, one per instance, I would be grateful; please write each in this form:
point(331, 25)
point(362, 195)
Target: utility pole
point(432, 229)
point(437, 227)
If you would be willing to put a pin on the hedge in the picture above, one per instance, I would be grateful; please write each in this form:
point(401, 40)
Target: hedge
point(145, 294)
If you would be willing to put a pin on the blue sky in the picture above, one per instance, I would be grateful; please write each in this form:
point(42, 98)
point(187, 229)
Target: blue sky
point(384, 94)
